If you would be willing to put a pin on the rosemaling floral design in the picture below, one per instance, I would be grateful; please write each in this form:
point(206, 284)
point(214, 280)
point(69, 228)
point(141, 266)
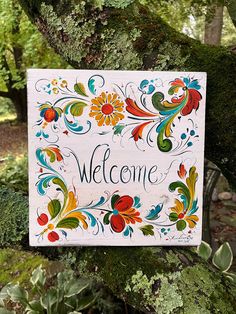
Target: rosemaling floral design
point(118, 212)
point(152, 113)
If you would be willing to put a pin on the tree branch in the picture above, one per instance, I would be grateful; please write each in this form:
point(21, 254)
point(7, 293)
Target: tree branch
point(160, 280)
point(134, 38)
point(5, 94)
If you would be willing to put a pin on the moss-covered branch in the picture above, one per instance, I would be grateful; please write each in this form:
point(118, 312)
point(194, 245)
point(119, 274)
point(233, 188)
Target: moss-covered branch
point(111, 34)
point(160, 280)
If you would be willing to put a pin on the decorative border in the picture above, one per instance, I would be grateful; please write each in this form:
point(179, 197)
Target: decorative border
point(118, 212)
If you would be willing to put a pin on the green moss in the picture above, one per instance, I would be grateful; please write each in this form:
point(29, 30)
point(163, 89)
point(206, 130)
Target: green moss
point(202, 290)
point(194, 290)
point(159, 293)
point(118, 3)
point(14, 217)
point(69, 30)
point(116, 265)
point(173, 259)
point(160, 280)
point(117, 50)
point(17, 266)
point(170, 57)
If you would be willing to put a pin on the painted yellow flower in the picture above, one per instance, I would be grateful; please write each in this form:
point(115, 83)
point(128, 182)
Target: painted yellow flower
point(107, 109)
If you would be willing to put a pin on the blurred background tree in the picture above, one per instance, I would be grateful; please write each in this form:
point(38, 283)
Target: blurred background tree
point(21, 47)
point(205, 20)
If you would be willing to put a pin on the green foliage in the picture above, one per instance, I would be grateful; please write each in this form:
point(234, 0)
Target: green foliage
point(67, 295)
point(14, 217)
point(21, 46)
point(204, 250)
point(14, 174)
point(6, 107)
point(16, 266)
point(223, 257)
point(118, 3)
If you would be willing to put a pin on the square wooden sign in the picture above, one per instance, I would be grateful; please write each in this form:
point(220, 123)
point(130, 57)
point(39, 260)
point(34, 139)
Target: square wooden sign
point(115, 157)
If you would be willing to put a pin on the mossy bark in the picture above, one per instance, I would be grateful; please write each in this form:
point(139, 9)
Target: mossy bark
point(160, 280)
point(125, 35)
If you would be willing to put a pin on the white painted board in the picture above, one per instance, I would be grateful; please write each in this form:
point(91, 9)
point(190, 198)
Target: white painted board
point(115, 157)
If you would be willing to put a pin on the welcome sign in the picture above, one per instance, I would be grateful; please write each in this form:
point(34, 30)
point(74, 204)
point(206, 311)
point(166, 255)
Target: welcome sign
point(115, 157)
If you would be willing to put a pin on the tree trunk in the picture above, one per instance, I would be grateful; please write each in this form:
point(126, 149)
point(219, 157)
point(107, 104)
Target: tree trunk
point(214, 25)
point(19, 99)
point(133, 38)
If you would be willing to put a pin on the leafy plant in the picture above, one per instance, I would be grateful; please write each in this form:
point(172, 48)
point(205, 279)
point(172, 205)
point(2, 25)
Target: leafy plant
point(15, 175)
point(204, 250)
point(222, 258)
point(14, 216)
point(66, 296)
point(21, 47)
point(6, 107)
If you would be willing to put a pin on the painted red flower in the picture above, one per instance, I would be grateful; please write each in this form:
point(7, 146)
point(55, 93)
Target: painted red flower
point(123, 212)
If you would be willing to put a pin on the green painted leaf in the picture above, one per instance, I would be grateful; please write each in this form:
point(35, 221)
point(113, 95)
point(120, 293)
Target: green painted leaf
point(68, 223)
point(80, 89)
point(147, 230)
point(182, 189)
point(172, 90)
point(54, 207)
point(173, 216)
point(157, 98)
point(58, 110)
point(223, 257)
point(77, 108)
point(181, 225)
point(118, 129)
point(114, 198)
point(52, 157)
point(59, 182)
point(106, 218)
point(204, 250)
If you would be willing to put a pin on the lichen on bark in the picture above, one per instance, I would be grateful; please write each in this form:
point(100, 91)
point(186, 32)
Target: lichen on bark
point(125, 35)
point(160, 280)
